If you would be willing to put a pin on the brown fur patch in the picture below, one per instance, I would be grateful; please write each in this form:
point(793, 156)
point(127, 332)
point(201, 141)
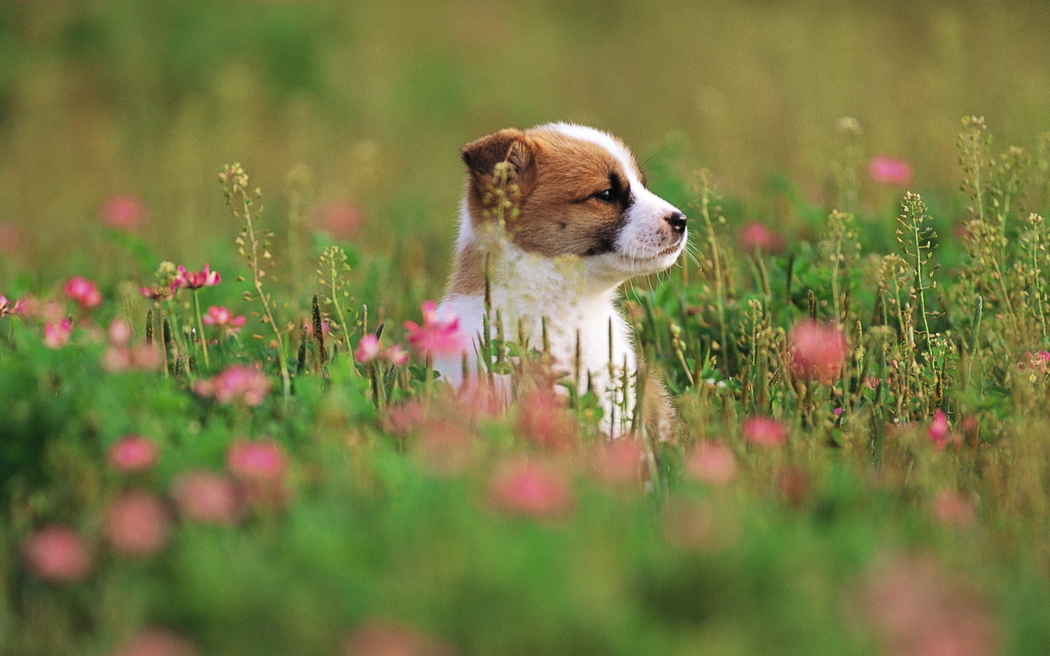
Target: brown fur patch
point(557, 179)
point(468, 277)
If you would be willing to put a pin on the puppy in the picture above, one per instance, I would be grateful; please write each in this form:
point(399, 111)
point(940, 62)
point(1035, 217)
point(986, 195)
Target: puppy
point(555, 218)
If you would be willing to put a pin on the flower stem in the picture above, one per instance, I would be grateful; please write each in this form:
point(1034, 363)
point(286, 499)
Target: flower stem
point(257, 274)
point(200, 327)
point(716, 258)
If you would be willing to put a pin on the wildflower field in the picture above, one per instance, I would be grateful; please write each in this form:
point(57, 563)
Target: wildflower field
point(220, 428)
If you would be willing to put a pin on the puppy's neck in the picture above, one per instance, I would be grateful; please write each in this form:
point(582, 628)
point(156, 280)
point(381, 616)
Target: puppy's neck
point(522, 282)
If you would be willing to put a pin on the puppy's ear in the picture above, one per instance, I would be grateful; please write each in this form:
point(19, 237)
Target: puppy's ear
point(509, 145)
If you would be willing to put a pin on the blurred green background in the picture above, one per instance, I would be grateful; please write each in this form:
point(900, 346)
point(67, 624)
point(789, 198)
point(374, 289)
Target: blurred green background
point(151, 98)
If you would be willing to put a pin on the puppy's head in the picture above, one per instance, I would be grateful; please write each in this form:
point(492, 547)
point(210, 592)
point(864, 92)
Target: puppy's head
point(578, 192)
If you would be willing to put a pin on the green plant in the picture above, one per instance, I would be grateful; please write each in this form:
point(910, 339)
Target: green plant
point(253, 244)
point(851, 435)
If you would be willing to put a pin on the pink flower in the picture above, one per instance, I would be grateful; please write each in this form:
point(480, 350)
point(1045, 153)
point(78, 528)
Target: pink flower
point(818, 351)
point(156, 642)
point(763, 431)
point(224, 319)
point(402, 418)
point(889, 171)
point(116, 359)
point(396, 355)
point(436, 335)
point(83, 291)
point(917, 608)
point(132, 453)
point(711, 462)
point(195, 279)
point(528, 487)
point(308, 327)
point(159, 293)
point(620, 462)
point(1038, 361)
point(137, 524)
point(260, 467)
point(138, 357)
point(235, 384)
point(120, 356)
point(340, 220)
point(384, 638)
point(11, 307)
point(57, 553)
point(368, 348)
point(544, 421)
point(119, 331)
point(123, 212)
point(57, 335)
point(757, 236)
point(478, 399)
point(10, 238)
point(51, 311)
point(207, 498)
point(263, 460)
point(939, 431)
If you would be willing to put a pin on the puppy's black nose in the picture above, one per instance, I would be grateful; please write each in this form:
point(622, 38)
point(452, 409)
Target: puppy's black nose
point(677, 222)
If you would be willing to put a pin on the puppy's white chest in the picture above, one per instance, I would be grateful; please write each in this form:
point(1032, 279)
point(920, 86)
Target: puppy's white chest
point(587, 337)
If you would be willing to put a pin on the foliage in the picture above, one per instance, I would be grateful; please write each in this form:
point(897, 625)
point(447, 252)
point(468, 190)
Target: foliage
point(854, 440)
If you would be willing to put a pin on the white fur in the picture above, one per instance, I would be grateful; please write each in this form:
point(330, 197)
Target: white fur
point(576, 294)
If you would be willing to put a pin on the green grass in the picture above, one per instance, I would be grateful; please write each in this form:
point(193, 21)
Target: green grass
point(377, 507)
point(391, 502)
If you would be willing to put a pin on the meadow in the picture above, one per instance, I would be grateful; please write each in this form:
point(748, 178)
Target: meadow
point(220, 433)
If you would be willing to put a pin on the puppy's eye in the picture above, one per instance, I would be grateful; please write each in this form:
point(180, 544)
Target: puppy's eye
point(604, 196)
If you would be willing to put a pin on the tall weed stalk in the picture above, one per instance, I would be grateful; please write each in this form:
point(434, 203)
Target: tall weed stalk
point(253, 245)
